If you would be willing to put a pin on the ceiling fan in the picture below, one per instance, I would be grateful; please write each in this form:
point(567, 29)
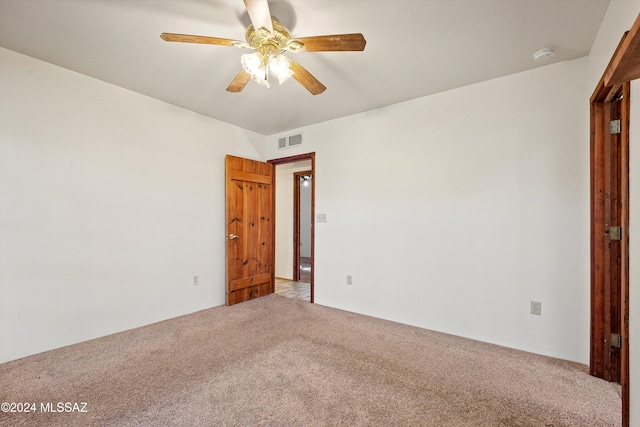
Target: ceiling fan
point(270, 39)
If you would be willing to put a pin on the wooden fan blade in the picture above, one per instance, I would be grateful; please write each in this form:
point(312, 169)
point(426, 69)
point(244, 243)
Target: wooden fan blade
point(259, 14)
point(307, 79)
point(332, 43)
point(239, 82)
point(187, 38)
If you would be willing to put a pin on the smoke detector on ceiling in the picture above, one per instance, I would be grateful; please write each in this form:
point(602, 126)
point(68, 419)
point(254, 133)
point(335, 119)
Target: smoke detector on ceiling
point(545, 54)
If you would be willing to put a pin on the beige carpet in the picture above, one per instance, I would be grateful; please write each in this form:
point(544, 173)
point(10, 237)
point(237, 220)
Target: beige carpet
point(280, 362)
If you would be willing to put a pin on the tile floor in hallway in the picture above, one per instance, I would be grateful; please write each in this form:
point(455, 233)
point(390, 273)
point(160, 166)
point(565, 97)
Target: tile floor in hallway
point(291, 289)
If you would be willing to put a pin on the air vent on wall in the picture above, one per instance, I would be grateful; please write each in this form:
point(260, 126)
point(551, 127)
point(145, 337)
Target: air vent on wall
point(290, 141)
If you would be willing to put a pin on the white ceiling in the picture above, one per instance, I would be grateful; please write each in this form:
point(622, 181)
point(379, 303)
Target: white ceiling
point(414, 48)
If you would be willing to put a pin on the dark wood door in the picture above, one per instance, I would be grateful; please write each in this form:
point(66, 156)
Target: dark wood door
point(249, 204)
point(606, 235)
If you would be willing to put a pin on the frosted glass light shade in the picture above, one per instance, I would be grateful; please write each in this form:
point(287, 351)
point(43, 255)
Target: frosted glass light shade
point(251, 62)
point(281, 67)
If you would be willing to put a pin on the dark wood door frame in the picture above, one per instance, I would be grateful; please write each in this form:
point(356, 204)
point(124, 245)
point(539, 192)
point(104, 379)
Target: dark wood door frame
point(296, 221)
point(609, 203)
point(294, 159)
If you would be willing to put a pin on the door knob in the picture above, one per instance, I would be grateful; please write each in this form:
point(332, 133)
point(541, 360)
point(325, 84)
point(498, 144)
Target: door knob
point(232, 236)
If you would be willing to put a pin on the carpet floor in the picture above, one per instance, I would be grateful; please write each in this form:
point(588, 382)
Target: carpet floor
point(276, 361)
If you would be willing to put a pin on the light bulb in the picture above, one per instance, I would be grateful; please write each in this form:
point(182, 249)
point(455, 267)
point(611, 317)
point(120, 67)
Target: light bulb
point(254, 64)
point(251, 62)
point(281, 67)
point(262, 76)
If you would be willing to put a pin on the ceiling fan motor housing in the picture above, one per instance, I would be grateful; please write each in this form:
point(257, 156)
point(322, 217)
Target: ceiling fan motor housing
point(266, 43)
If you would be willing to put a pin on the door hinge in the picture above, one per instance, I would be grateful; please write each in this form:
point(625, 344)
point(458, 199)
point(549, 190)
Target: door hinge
point(616, 341)
point(614, 127)
point(615, 233)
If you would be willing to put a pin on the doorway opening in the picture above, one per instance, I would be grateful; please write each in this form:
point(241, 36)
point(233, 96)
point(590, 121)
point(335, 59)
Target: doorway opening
point(293, 246)
point(302, 220)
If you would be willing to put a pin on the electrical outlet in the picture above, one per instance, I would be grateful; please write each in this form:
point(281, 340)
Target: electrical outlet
point(536, 308)
point(196, 280)
point(349, 279)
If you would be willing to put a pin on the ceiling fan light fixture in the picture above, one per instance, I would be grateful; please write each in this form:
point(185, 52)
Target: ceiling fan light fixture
point(258, 65)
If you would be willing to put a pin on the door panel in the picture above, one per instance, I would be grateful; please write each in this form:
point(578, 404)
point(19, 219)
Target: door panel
point(249, 198)
point(607, 193)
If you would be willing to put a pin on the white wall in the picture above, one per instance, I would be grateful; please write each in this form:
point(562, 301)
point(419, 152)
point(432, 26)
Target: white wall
point(454, 211)
point(284, 215)
point(110, 203)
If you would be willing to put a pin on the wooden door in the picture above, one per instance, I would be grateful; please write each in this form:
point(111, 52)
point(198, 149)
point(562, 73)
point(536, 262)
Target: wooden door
point(249, 203)
point(609, 229)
